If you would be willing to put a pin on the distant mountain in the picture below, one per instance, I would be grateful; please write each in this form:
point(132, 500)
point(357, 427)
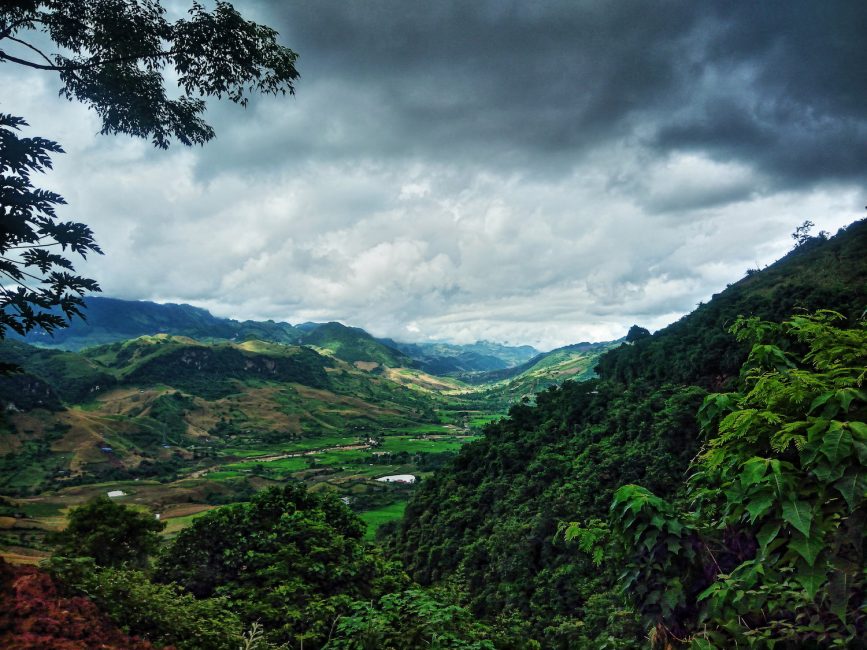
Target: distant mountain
point(108, 409)
point(452, 360)
point(576, 362)
point(353, 344)
point(112, 319)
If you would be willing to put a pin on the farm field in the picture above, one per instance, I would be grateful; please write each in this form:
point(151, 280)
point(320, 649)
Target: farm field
point(346, 464)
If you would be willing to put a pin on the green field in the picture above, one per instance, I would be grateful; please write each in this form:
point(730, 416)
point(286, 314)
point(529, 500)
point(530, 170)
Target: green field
point(376, 518)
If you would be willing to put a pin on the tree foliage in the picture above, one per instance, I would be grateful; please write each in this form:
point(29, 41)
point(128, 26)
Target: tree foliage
point(771, 549)
point(290, 559)
point(38, 284)
point(409, 620)
point(113, 56)
point(158, 613)
point(112, 534)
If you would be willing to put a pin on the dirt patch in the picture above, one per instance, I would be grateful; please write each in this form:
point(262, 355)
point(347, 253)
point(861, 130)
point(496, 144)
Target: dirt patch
point(21, 555)
point(184, 510)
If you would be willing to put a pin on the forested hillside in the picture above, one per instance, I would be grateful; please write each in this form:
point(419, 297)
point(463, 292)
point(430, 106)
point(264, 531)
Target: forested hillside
point(491, 519)
point(697, 349)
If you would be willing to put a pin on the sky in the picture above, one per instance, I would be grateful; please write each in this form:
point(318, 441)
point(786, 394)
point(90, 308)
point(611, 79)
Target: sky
point(522, 172)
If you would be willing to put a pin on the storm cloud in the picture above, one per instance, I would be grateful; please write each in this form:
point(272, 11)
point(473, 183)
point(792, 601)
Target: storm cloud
point(538, 173)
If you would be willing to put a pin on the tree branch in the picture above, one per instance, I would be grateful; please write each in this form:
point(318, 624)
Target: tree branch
point(35, 49)
point(95, 61)
point(29, 64)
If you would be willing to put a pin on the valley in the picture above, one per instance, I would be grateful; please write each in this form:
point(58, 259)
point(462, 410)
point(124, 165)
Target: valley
point(181, 426)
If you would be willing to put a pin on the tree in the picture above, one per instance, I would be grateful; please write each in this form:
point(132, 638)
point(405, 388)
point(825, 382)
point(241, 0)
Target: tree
point(290, 559)
point(636, 333)
point(114, 53)
point(113, 56)
point(772, 548)
point(29, 229)
point(112, 534)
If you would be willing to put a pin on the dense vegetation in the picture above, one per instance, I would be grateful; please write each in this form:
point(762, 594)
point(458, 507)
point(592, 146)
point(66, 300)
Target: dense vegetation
point(771, 546)
point(820, 273)
point(490, 518)
point(738, 517)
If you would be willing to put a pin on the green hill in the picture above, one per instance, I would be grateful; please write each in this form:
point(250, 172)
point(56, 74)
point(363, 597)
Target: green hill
point(111, 319)
point(151, 399)
point(490, 518)
point(353, 344)
point(446, 359)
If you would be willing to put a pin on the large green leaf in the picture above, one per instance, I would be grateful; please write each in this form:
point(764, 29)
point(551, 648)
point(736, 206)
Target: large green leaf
point(767, 533)
point(810, 578)
point(798, 515)
point(807, 547)
point(859, 429)
point(853, 487)
point(760, 504)
point(837, 443)
point(753, 471)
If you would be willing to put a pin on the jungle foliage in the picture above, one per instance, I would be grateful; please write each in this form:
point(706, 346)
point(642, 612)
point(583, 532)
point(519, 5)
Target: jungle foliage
point(770, 548)
point(491, 516)
point(289, 559)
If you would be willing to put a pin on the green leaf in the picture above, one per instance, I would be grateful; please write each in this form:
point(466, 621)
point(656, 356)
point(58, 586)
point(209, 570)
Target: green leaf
point(811, 578)
point(798, 514)
point(859, 428)
point(753, 471)
point(860, 449)
point(767, 533)
point(837, 443)
point(840, 590)
point(853, 487)
point(828, 473)
point(808, 548)
point(820, 400)
point(759, 505)
point(779, 482)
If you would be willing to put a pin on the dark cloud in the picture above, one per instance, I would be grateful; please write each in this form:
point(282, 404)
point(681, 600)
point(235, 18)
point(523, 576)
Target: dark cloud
point(778, 85)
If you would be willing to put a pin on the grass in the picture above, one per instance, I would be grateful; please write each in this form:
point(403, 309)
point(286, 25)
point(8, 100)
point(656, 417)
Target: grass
point(376, 518)
point(223, 475)
point(479, 421)
point(174, 525)
point(299, 446)
point(413, 445)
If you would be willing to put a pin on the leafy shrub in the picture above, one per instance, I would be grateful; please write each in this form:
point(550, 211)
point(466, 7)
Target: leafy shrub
point(159, 613)
point(772, 549)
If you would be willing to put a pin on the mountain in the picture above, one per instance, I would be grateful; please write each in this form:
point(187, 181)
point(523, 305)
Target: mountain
point(491, 517)
point(447, 359)
point(58, 416)
point(111, 319)
point(354, 345)
point(574, 361)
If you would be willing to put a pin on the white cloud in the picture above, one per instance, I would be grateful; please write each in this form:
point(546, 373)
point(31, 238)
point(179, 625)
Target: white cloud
point(320, 208)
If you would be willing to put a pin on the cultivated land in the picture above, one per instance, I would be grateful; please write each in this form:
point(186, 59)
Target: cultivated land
point(182, 425)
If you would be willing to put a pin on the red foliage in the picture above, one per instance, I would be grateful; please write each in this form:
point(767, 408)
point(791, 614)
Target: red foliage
point(34, 616)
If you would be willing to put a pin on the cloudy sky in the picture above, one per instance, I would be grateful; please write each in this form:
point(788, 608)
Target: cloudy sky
point(524, 172)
